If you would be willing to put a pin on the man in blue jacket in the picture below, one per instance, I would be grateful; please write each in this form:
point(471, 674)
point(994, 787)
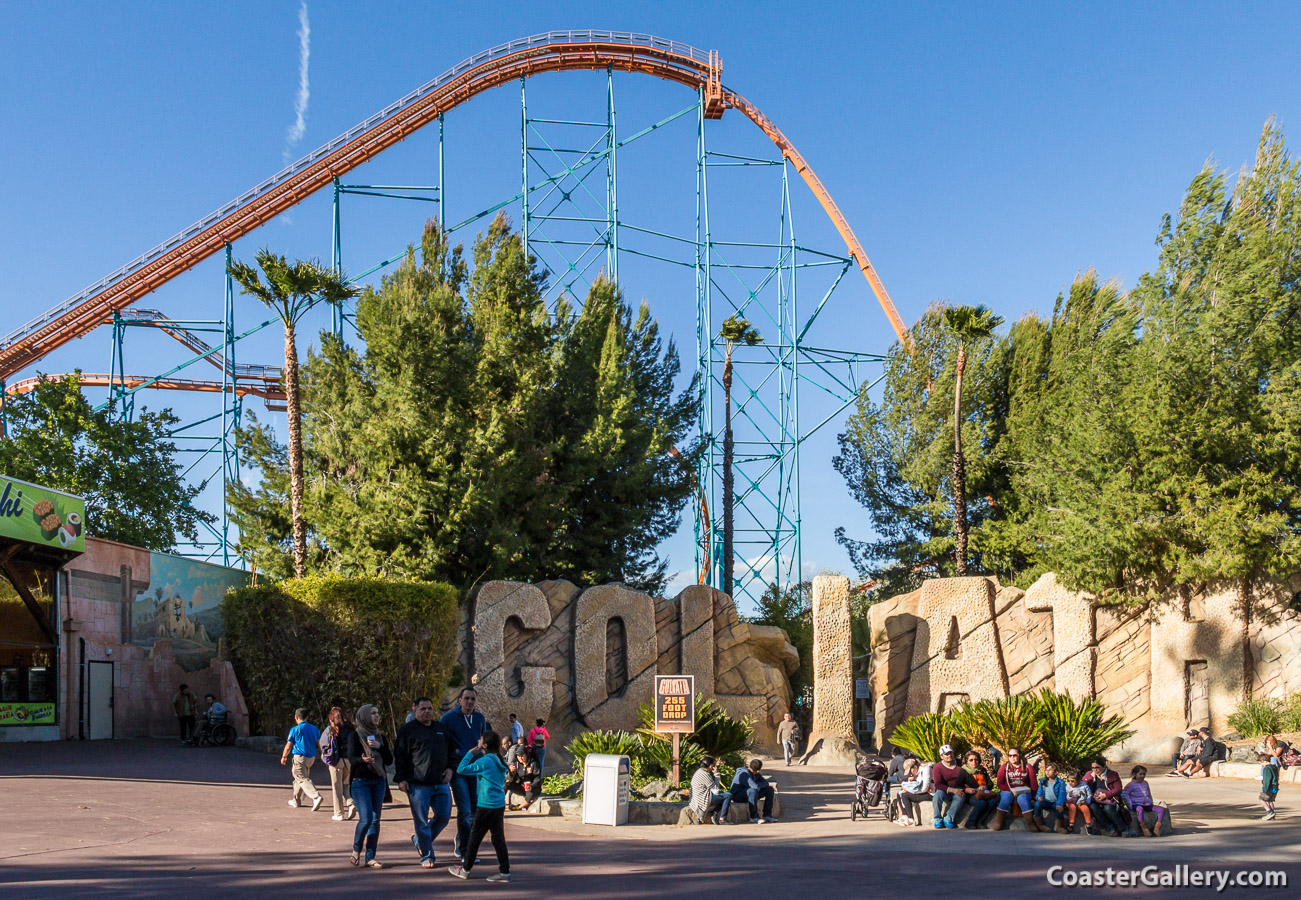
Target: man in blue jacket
point(750, 786)
point(465, 725)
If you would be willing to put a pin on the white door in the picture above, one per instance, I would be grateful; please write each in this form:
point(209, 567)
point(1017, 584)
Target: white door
point(99, 700)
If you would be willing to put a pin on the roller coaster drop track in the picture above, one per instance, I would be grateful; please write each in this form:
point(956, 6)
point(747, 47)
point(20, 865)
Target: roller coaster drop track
point(107, 300)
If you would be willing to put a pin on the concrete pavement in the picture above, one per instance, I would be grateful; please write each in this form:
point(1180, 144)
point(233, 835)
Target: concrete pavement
point(137, 818)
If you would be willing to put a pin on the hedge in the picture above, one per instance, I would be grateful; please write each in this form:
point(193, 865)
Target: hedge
point(318, 642)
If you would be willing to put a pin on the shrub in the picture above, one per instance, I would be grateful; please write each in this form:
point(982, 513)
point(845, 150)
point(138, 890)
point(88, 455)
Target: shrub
point(1260, 716)
point(1010, 722)
point(1291, 721)
point(319, 642)
point(558, 784)
point(657, 757)
point(923, 735)
point(1076, 731)
point(615, 742)
point(717, 734)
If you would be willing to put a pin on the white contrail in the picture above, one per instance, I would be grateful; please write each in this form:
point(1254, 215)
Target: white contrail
point(295, 133)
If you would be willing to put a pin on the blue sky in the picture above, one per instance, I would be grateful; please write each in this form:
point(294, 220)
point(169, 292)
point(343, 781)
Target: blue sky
point(983, 153)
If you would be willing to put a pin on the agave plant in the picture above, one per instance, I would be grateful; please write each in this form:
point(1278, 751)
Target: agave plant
point(1010, 722)
point(616, 742)
point(926, 733)
point(657, 757)
point(1076, 731)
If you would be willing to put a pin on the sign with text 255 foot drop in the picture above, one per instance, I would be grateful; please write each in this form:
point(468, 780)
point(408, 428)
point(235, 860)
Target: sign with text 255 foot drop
point(675, 708)
point(41, 515)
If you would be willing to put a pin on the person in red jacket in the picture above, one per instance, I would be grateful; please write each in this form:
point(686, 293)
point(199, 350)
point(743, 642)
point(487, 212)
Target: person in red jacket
point(1016, 784)
point(1105, 804)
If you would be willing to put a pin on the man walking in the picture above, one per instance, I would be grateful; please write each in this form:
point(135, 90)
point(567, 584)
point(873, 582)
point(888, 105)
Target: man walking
point(301, 745)
point(788, 732)
point(465, 725)
point(421, 764)
point(183, 704)
point(516, 731)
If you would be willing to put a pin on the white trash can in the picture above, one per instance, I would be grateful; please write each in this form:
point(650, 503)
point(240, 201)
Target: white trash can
point(605, 789)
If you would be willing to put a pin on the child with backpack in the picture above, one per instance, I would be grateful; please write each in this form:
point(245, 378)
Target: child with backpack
point(484, 764)
point(1268, 784)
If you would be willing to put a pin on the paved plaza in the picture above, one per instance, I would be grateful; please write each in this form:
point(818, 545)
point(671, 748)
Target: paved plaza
point(149, 818)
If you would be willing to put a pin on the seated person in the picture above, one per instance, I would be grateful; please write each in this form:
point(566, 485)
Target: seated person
point(894, 772)
point(1078, 796)
point(750, 786)
point(949, 785)
point(523, 776)
point(1209, 753)
point(916, 789)
point(1139, 797)
point(1051, 797)
point(983, 794)
point(1105, 805)
point(214, 712)
point(706, 798)
point(1187, 752)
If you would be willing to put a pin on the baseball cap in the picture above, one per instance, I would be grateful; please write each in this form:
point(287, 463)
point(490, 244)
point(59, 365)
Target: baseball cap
point(945, 749)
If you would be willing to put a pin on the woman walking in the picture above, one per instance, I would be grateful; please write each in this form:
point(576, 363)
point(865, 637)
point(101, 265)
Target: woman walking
point(334, 747)
point(483, 764)
point(368, 753)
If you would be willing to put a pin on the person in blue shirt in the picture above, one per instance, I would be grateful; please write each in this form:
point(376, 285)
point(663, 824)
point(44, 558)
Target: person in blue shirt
point(750, 786)
point(465, 726)
point(301, 745)
point(484, 766)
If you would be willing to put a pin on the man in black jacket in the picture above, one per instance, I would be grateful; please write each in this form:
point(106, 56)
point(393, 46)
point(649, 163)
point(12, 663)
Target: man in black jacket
point(423, 773)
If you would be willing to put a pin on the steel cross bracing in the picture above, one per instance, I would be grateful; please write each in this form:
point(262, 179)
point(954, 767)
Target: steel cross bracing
point(573, 226)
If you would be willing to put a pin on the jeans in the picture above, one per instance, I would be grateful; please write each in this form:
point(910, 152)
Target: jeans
point(1007, 798)
point(1043, 806)
point(187, 727)
point(422, 797)
point(465, 790)
point(751, 796)
point(978, 810)
point(488, 821)
point(368, 794)
point(1107, 815)
point(956, 801)
point(542, 758)
point(788, 748)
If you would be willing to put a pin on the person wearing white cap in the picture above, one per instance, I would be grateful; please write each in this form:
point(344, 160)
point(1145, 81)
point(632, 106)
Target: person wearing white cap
point(950, 787)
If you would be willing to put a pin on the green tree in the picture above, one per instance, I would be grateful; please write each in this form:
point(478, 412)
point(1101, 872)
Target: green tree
point(792, 611)
point(474, 435)
point(734, 331)
point(896, 457)
point(289, 291)
point(126, 470)
point(968, 324)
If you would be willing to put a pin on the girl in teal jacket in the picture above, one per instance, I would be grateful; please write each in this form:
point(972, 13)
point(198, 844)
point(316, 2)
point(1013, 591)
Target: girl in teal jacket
point(484, 764)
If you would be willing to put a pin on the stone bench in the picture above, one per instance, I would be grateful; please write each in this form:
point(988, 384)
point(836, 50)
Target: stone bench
point(1016, 823)
point(1251, 771)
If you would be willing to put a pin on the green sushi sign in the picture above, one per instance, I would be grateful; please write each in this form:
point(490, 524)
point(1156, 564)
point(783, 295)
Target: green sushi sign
point(41, 515)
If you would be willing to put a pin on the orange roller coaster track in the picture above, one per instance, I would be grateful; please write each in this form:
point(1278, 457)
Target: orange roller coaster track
point(555, 51)
point(265, 387)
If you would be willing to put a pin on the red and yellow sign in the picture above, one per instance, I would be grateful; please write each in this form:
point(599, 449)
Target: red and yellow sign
point(675, 709)
point(26, 713)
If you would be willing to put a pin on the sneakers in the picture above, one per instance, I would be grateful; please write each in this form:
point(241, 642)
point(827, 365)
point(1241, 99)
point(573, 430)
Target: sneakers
point(938, 823)
point(352, 813)
point(1173, 773)
point(316, 804)
point(293, 804)
point(336, 818)
point(1267, 816)
point(499, 878)
point(949, 823)
point(754, 821)
point(769, 819)
point(458, 871)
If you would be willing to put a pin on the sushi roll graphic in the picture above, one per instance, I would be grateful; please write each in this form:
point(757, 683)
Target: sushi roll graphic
point(74, 522)
point(50, 525)
point(66, 537)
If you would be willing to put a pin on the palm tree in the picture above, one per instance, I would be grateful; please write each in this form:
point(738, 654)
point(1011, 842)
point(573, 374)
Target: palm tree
point(968, 324)
point(289, 291)
point(735, 331)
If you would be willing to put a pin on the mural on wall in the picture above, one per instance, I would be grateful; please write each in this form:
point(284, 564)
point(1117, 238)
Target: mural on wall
point(183, 605)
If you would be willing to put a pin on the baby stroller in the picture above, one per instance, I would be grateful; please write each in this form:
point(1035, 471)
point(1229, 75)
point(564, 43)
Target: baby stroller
point(871, 790)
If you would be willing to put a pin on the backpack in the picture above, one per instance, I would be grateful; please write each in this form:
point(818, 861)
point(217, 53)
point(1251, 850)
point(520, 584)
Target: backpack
point(329, 749)
point(1289, 758)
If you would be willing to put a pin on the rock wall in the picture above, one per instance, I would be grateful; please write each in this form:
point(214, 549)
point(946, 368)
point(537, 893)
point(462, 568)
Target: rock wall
point(1186, 661)
point(587, 659)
